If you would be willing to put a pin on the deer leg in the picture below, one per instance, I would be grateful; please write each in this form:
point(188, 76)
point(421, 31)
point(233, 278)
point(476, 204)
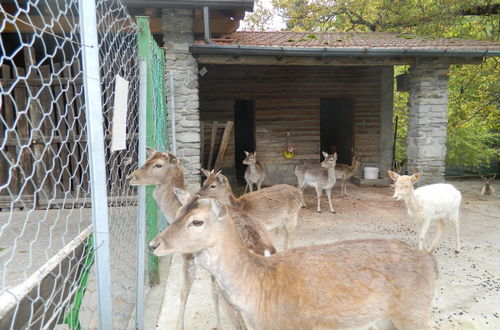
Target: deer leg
point(189, 269)
point(301, 187)
point(318, 196)
point(329, 195)
point(439, 231)
point(456, 222)
point(250, 185)
point(215, 299)
point(423, 231)
point(259, 185)
point(344, 184)
point(290, 228)
point(246, 187)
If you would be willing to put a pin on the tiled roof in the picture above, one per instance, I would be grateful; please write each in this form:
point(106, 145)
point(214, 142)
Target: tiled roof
point(351, 40)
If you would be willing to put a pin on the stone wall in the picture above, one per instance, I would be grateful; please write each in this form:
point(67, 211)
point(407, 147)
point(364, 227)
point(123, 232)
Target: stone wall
point(177, 36)
point(427, 121)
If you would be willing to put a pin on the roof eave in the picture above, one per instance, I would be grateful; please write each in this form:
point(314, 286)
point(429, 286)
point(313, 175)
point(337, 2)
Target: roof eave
point(246, 5)
point(326, 52)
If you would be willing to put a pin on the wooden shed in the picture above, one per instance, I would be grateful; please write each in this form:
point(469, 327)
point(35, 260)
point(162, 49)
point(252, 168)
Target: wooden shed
point(329, 91)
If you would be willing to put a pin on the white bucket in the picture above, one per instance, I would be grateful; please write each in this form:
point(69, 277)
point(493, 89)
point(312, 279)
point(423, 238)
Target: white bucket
point(371, 173)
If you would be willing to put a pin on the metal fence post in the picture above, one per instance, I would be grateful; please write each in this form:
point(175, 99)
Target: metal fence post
point(94, 115)
point(141, 227)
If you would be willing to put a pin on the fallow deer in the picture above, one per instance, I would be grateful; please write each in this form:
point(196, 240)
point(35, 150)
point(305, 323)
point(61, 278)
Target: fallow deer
point(272, 207)
point(320, 176)
point(163, 169)
point(254, 173)
point(435, 202)
point(348, 284)
point(345, 172)
point(488, 188)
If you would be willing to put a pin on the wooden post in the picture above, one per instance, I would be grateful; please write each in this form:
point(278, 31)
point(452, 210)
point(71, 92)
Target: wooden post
point(212, 145)
point(223, 144)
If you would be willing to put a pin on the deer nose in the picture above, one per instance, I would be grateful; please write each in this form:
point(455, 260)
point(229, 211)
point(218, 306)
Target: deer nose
point(153, 245)
point(130, 176)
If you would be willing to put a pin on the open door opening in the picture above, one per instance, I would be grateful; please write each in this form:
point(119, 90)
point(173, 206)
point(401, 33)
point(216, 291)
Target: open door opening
point(336, 128)
point(244, 135)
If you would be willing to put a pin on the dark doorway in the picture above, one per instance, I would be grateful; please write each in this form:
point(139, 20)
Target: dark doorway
point(336, 128)
point(244, 135)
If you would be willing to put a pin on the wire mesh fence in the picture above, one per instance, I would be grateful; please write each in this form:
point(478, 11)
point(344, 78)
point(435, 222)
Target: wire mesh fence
point(47, 245)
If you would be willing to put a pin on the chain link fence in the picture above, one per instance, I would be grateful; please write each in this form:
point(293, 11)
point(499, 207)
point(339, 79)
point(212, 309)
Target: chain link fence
point(48, 242)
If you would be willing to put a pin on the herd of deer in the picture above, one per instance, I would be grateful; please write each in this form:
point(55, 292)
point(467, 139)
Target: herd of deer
point(348, 284)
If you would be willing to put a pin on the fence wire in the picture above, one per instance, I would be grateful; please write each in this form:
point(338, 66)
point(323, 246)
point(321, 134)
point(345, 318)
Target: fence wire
point(46, 244)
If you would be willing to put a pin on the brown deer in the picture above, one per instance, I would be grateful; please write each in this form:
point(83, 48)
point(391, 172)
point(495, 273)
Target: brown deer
point(254, 173)
point(320, 176)
point(272, 207)
point(164, 170)
point(348, 284)
point(345, 172)
point(488, 188)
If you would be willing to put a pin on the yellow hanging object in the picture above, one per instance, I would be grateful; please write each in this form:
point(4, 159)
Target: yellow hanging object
point(287, 154)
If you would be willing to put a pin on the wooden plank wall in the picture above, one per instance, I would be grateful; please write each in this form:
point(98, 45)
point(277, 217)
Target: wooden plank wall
point(287, 99)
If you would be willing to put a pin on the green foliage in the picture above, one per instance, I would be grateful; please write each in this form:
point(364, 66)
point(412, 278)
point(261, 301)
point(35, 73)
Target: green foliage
point(474, 90)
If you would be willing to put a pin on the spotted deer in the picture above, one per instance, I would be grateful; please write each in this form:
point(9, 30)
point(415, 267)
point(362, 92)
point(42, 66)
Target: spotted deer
point(273, 207)
point(320, 176)
point(345, 285)
point(438, 202)
point(254, 173)
point(345, 172)
point(163, 169)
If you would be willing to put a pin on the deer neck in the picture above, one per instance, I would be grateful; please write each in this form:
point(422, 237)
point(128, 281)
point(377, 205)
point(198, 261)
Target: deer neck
point(253, 168)
point(331, 175)
point(165, 197)
point(237, 271)
point(411, 203)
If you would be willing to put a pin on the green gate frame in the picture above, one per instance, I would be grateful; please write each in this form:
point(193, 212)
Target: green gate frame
point(156, 128)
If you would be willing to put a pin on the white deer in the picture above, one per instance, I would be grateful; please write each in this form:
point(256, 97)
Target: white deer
point(320, 176)
point(436, 202)
point(345, 285)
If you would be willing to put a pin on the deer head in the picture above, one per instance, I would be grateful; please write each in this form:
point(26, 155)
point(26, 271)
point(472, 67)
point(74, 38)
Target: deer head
point(403, 184)
point(156, 169)
point(330, 160)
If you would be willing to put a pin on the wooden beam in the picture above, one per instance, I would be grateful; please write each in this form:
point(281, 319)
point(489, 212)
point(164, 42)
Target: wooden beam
point(302, 61)
point(312, 61)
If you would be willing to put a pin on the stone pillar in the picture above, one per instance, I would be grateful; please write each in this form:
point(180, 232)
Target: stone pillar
point(427, 120)
point(386, 130)
point(178, 36)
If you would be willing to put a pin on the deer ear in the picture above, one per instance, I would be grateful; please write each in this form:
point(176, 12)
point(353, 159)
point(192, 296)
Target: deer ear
point(246, 153)
point(182, 195)
point(255, 153)
point(324, 154)
point(218, 209)
point(150, 151)
point(415, 177)
point(205, 172)
point(172, 159)
point(393, 175)
point(335, 155)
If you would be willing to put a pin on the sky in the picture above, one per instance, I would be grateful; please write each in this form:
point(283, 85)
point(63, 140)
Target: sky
point(277, 23)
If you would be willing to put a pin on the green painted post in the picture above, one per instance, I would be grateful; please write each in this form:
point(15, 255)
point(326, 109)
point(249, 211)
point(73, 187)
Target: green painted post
point(144, 41)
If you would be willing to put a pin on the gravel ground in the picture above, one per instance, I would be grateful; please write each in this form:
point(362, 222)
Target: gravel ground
point(468, 290)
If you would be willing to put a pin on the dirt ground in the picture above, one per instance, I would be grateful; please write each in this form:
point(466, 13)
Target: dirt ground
point(468, 290)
